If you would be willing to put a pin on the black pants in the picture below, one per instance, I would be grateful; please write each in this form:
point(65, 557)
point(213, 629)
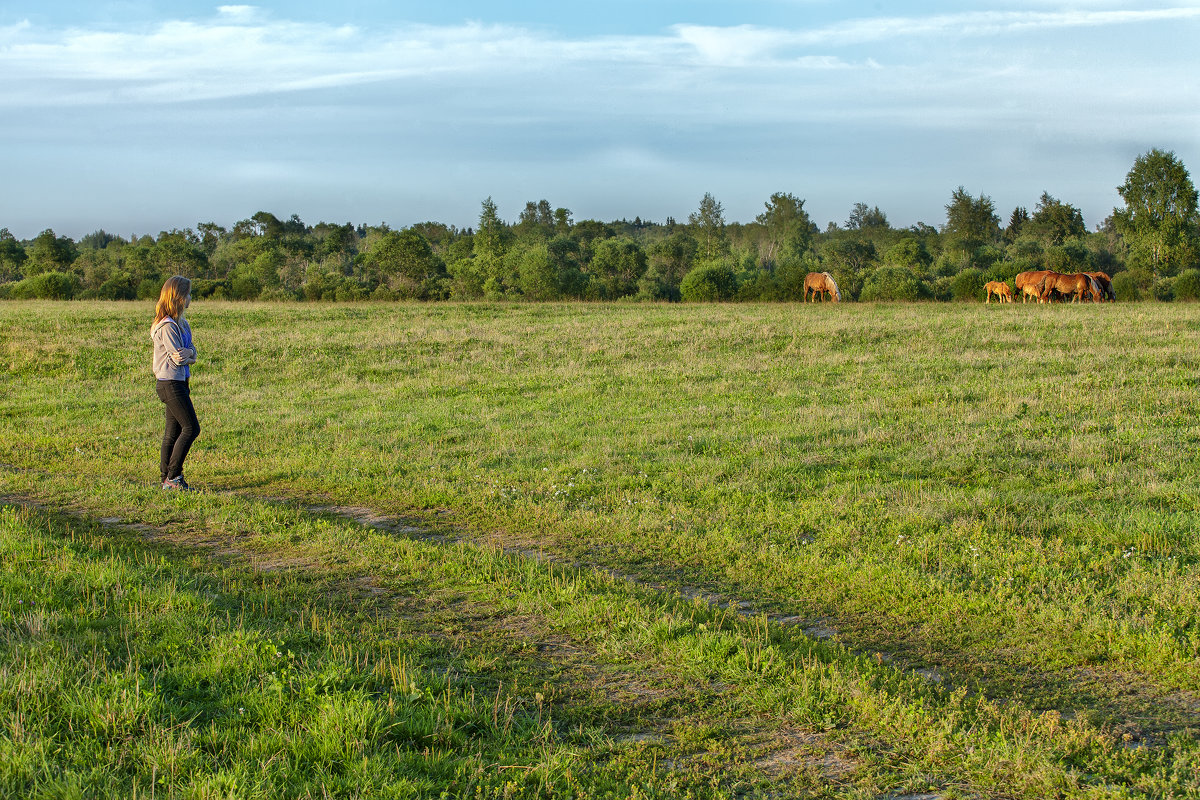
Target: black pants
point(182, 426)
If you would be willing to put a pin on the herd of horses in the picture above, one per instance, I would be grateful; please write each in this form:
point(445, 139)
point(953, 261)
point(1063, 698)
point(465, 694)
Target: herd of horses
point(1044, 285)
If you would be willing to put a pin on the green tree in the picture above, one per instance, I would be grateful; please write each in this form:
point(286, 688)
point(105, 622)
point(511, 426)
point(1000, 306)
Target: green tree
point(536, 222)
point(1016, 223)
point(97, 240)
point(49, 253)
point(490, 244)
point(970, 222)
point(617, 265)
point(1067, 258)
point(12, 257)
point(405, 262)
point(562, 221)
point(787, 229)
point(267, 224)
point(910, 253)
point(708, 226)
point(1160, 219)
point(864, 218)
point(1054, 222)
point(673, 257)
point(179, 252)
point(210, 234)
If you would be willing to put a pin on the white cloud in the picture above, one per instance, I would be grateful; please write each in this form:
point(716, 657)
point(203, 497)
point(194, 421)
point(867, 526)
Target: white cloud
point(244, 13)
point(242, 52)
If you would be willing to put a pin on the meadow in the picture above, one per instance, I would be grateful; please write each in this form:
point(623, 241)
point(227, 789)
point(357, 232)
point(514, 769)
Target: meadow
point(605, 550)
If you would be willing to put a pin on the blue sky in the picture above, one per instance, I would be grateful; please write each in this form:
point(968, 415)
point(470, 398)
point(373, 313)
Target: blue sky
point(138, 117)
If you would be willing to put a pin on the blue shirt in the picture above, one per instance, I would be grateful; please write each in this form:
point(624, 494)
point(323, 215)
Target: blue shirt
point(187, 342)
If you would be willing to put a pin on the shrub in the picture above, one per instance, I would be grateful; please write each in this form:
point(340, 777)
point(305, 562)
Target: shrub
point(349, 290)
point(276, 294)
point(208, 288)
point(1125, 287)
point(1164, 290)
point(118, 287)
point(709, 283)
point(150, 288)
point(895, 283)
point(46, 286)
point(383, 293)
point(245, 287)
point(967, 285)
point(761, 286)
point(1187, 285)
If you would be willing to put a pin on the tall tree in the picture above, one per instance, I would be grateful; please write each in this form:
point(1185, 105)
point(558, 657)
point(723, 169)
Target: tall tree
point(490, 245)
point(672, 258)
point(404, 261)
point(617, 266)
point(708, 226)
point(49, 253)
point(1159, 221)
point(536, 222)
point(788, 230)
point(1055, 222)
point(12, 256)
point(864, 218)
point(971, 222)
point(1016, 223)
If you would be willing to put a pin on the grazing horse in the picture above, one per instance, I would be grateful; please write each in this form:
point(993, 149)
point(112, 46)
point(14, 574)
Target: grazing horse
point(1029, 283)
point(1000, 289)
point(1076, 284)
point(1105, 283)
point(822, 283)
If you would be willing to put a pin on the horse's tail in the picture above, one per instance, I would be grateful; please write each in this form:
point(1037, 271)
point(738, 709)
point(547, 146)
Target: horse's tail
point(836, 291)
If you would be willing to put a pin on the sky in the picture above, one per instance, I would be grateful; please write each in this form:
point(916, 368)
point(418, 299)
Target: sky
point(143, 116)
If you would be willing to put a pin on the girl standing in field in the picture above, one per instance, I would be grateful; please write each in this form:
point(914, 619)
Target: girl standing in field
point(173, 354)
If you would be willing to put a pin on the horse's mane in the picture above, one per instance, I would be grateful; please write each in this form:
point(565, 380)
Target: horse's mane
point(836, 290)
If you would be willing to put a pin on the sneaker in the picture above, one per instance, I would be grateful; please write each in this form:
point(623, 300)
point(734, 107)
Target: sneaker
point(178, 484)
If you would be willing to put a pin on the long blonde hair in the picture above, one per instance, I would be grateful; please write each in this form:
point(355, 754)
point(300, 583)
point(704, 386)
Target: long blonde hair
point(172, 298)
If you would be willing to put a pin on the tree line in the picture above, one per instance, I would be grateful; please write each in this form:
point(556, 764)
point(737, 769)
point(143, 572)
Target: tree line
point(1150, 247)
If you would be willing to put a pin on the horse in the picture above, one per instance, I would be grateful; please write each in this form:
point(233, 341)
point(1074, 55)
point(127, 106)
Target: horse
point(1105, 283)
point(822, 283)
point(1076, 284)
point(1028, 283)
point(1000, 289)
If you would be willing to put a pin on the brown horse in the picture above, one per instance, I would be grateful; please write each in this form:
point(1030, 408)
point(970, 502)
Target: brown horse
point(1076, 284)
point(1000, 289)
point(1105, 283)
point(822, 283)
point(1028, 284)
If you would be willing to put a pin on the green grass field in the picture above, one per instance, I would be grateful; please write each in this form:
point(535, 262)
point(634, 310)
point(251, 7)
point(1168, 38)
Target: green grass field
point(500, 550)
